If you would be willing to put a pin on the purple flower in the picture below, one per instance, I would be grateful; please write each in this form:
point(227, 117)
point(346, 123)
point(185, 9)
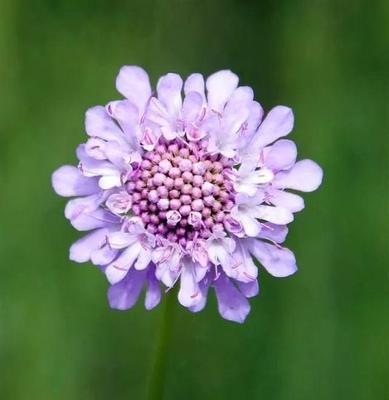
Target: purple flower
point(185, 186)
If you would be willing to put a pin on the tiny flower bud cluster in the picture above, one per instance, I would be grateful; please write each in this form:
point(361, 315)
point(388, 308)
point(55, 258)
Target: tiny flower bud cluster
point(180, 191)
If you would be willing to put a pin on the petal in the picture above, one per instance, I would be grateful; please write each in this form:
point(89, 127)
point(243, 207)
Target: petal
point(192, 106)
point(127, 115)
point(278, 122)
point(144, 259)
point(241, 97)
point(255, 117)
point(248, 178)
point(173, 217)
point(203, 286)
point(157, 113)
point(250, 225)
point(250, 127)
point(194, 218)
point(94, 148)
point(242, 199)
point(91, 167)
point(305, 176)
point(119, 203)
point(133, 82)
point(189, 293)
point(220, 87)
point(243, 268)
point(150, 138)
point(120, 240)
point(290, 201)
point(110, 181)
point(219, 252)
point(119, 156)
point(100, 169)
point(118, 269)
point(247, 211)
point(232, 305)
point(81, 250)
point(279, 262)
point(281, 155)
point(242, 186)
point(275, 233)
point(153, 291)
point(99, 124)
point(247, 166)
point(93, 220)
point(166, 275)
point(195, 83)
point(169, 92)
point(68, 181)
point(233, 226)
point(276, 215)
point(104, 256)
point(82, 205)
point(249, 289)
point(233, 119)
point(199, 253)
point(223, 145)
point(123, 295)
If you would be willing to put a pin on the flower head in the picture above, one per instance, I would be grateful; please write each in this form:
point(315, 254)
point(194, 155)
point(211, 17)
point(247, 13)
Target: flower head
point(185, 187)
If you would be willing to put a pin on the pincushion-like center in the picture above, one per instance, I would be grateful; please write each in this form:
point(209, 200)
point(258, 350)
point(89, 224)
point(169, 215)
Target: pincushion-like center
point(180, 191)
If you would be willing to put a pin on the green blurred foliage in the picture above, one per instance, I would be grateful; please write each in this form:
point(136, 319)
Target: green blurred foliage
point(321, 334)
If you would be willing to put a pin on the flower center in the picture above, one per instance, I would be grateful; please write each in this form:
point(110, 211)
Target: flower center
point(180, 191)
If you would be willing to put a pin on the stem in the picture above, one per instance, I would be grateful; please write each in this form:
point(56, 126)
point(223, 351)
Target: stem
point(158, 372)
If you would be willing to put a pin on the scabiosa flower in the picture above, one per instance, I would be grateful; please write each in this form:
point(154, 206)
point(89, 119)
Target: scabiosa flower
point(185, 186)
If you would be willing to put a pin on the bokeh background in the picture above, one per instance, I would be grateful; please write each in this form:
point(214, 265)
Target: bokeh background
point(321, 334)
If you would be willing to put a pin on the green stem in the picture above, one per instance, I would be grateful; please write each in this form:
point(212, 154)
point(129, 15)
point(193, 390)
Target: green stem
point(158, 372)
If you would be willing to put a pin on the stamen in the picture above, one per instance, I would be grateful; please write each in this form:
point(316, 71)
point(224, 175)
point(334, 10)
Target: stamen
point(249, 276)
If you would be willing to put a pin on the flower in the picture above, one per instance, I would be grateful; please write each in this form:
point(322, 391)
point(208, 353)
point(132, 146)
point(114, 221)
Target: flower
point(186, 186)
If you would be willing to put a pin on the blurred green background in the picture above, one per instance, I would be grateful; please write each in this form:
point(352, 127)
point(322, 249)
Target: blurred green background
point(321, 334)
